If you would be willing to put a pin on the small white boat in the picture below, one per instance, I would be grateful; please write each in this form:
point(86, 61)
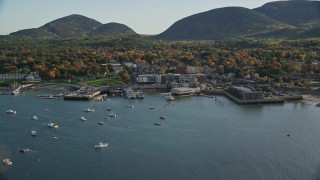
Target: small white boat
point(101, 145)
point(129, 106)
point(151, 107)
point(139, 94)
point(83, 118)
point(35, 117)
point(130, 94)
point(112, 115)
point(53, 125)
point(169, 97)
point(34, 133)
point(7, 162)
point(157, 124)
point(47, 97)
point(23, 150)
point(10, 111)
point(89, 110)
point(101, 123)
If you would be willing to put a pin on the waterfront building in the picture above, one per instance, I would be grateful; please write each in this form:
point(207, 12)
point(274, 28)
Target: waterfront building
point(185, 78)
point(33, 76)
point(29, 77)
point(149, 78)
point(170, 78)
point(12, 76)
point(244, 93)
point(184, 91)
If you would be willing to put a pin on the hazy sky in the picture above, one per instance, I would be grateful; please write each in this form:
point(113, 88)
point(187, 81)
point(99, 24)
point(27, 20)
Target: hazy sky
point(143, 16)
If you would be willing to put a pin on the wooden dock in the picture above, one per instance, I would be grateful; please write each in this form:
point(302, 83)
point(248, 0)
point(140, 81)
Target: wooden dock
point(84, 93)
point(257, 101)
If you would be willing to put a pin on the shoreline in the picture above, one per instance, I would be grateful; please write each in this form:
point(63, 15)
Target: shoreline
point(312, 98)
point(56, 86)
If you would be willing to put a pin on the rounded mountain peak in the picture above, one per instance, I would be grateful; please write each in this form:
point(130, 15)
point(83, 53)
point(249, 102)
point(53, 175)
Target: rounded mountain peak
point(113, 29)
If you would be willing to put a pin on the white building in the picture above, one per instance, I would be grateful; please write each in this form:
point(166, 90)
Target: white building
point(149, 78)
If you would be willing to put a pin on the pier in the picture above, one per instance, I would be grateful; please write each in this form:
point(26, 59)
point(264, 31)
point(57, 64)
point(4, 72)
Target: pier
point(256, 101)
point(85, 93)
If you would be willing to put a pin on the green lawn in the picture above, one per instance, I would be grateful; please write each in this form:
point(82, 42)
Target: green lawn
point(9, 82)
point(313, 82)
point(104, 81)
point(92, 82)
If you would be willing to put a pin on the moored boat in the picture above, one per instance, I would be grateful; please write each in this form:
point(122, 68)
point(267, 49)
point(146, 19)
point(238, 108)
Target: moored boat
point(46, 96)
point(157, 124)
point(169, 97)
point(10, 111)
point(49, 95)
point(53, 125)
point(101, 123)
point(7, 162)
point(130, 94)
point(23, 150)
point(89, 110)
point(83, 118)
point(101, 145)
point(34, 133)
point(139, 94)
point(35, 117)
point(112, 115)
point(129, 106)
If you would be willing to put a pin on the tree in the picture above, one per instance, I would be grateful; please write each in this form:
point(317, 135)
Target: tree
point(125, 75)
point(51, 74)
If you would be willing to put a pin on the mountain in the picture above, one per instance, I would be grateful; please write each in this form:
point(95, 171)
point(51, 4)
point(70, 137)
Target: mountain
point(113, 29)
point(309, 33)
point(75, 26)
point(287, 33)
point(34, 32)
point(296, 13)
point(222, 23)
point(69, 26)
point(292, 19)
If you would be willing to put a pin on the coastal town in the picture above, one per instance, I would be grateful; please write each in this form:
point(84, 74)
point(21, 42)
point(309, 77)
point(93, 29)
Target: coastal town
point(179, 82)
point(160, 90)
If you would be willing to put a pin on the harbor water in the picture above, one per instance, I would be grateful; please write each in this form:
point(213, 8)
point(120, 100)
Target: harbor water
point(201, 138)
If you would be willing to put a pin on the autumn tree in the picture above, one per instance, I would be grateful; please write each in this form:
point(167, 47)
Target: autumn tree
point(125, 75)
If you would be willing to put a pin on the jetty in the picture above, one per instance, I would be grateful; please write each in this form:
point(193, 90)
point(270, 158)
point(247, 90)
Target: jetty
point(17, 90)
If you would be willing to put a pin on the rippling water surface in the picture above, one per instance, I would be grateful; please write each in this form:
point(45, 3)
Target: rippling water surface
point(202, 138)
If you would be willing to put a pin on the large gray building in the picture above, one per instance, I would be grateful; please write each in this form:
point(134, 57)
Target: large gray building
point(244, 93)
